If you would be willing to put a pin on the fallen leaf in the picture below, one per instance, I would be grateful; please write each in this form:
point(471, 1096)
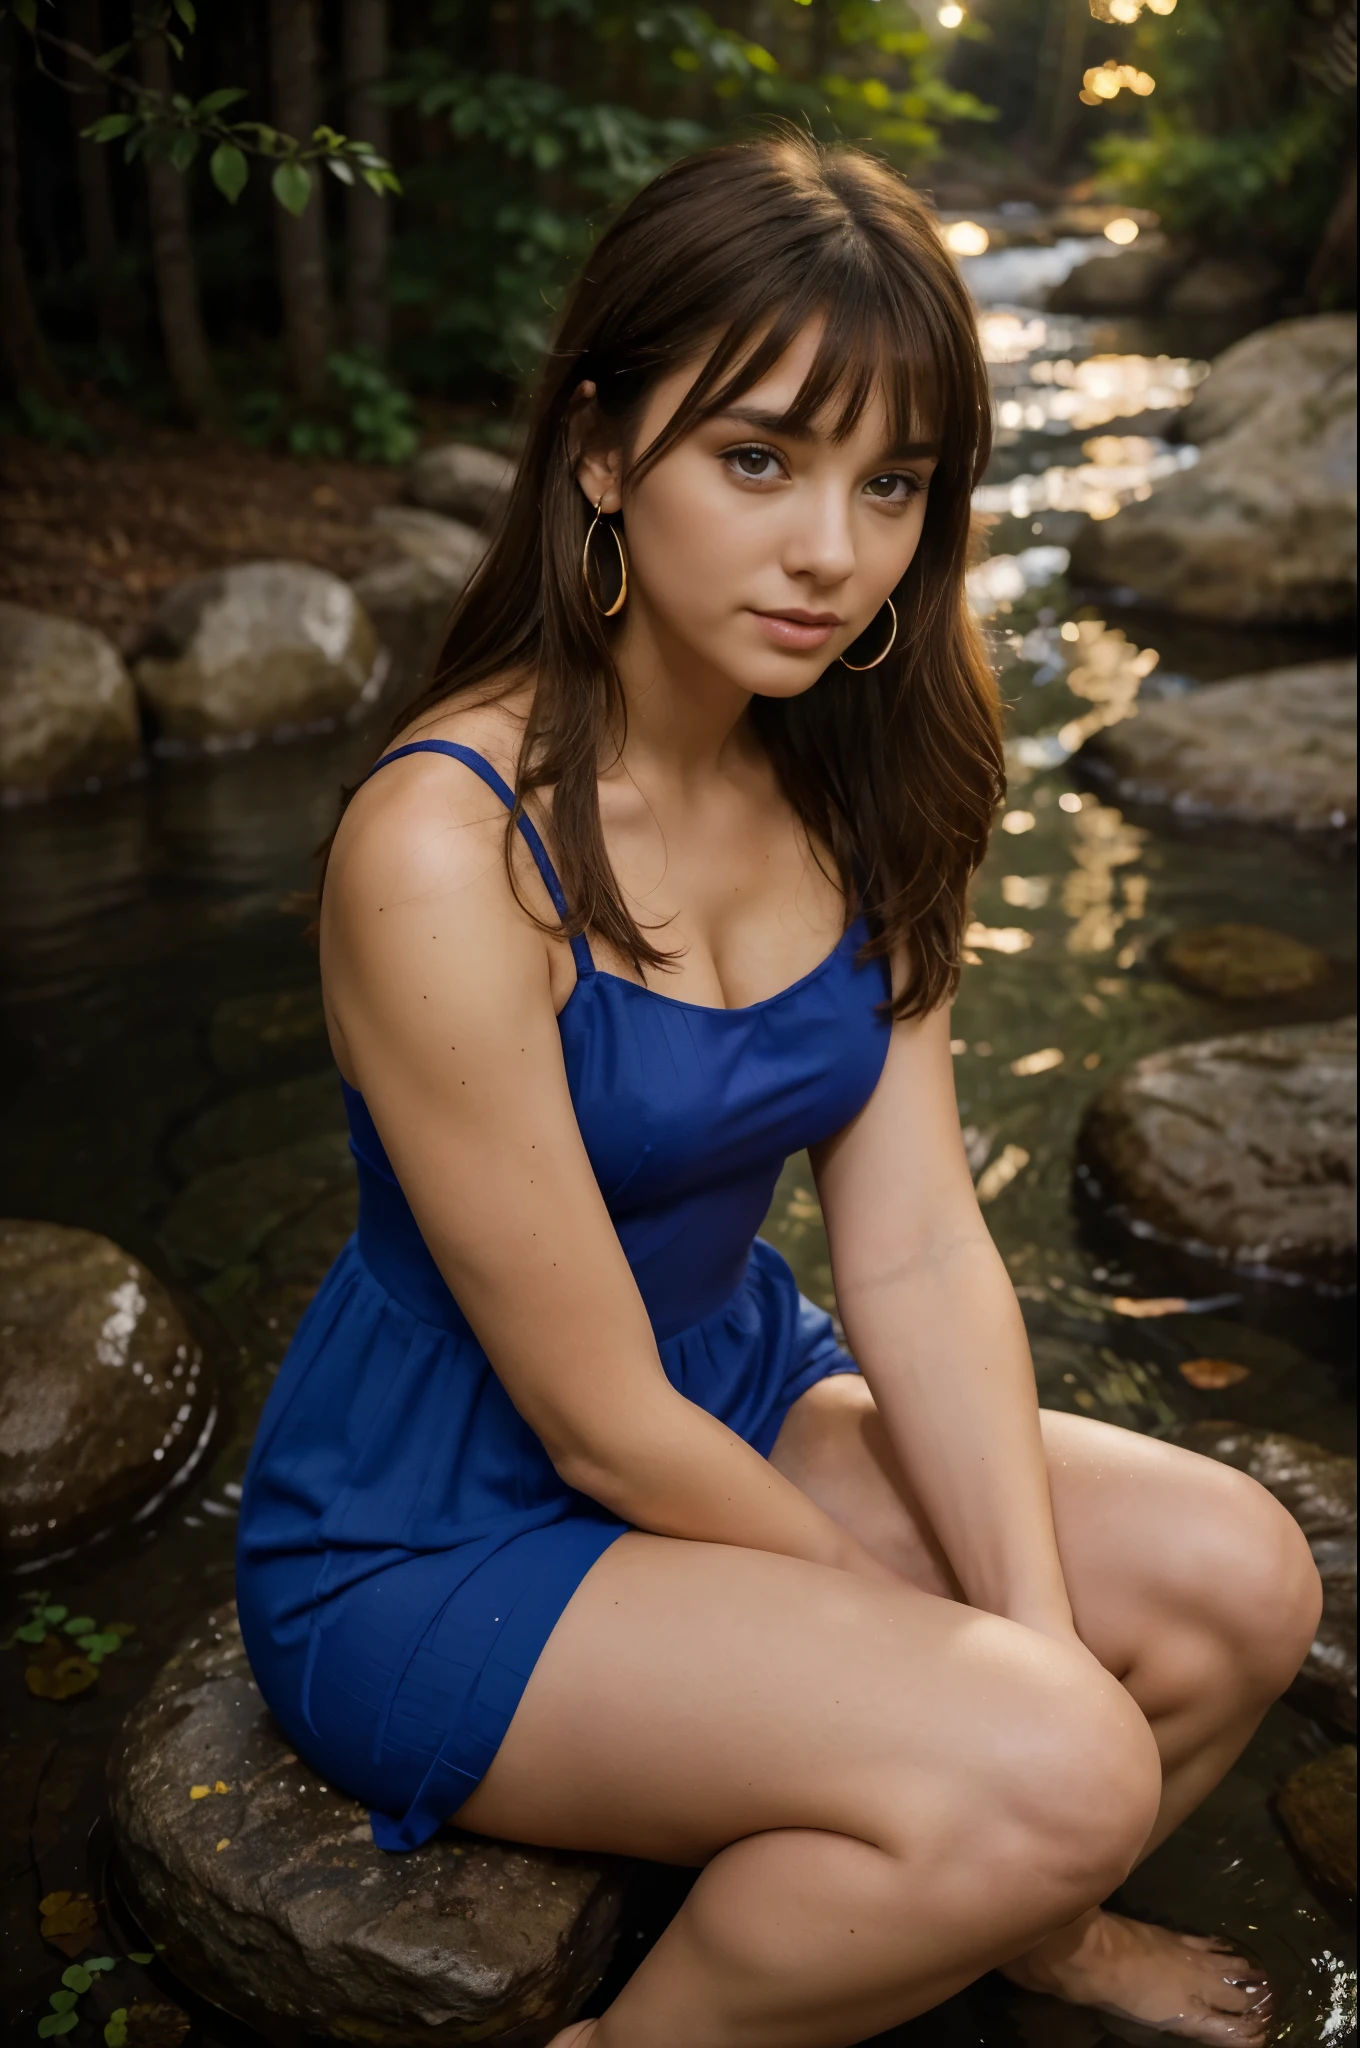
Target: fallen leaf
point(220, 1787)
point(150, 2024)
point(1155, 1305)
point(1212, 1375)
point(58, 1672)
point(225, 1843)
point(69, 1920)
point(200, 1791)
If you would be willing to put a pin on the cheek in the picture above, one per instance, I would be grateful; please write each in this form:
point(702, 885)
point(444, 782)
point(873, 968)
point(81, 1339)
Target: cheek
point(690, 544)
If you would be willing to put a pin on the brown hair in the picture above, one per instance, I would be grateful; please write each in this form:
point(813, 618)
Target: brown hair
point(897, 770)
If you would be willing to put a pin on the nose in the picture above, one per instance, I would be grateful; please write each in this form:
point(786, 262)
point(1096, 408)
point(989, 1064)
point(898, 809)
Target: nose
point(820, 545)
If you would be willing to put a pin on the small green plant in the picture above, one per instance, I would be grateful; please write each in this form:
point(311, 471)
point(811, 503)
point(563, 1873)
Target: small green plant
point(54, 425)
point(368, 417)
point(75, 1982)
point(66, 1649)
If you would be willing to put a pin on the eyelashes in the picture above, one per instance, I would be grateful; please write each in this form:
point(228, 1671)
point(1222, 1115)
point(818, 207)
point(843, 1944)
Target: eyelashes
point(756, 463)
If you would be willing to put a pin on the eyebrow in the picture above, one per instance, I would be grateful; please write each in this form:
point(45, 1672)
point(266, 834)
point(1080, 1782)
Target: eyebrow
point(791, 430)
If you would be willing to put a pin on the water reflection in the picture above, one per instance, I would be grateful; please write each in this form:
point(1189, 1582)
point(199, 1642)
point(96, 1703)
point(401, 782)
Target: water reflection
point(72, 875)
point(1099, 898)
point(1119, 469)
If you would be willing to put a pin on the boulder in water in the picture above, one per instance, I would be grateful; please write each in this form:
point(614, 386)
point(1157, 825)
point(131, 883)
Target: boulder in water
point(222, 1218)
point(1276, 749)
point(262, 648)
point(1125, 281)
point(106, 1402)
point(1317, 1806)
point(1263, 528)
point(461, 481)
point(1224, 284)
point(68, 712)
point(1241, 1149)
point(1243, 963)
point(259, 1120)
point(1302, 356)
point(270, 1897)
point(1318, 1488)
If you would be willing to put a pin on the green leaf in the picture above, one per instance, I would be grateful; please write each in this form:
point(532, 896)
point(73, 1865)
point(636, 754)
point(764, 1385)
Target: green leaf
point(184, 149)
point(175, 44)
point(48, 2024)
point(53, 1615)
point(77, 1978)
point(343, 171)
point(101, 1645)
point(140, 1955)
point(111, 57)
point(100, 1963)
point(62, 2001)
point(31, 1632)
point(213, 102)
point(108, 128)
point(229, 171)
point(79, 1625)
point(184, 9)
point(115, 2031)
point(292, 186)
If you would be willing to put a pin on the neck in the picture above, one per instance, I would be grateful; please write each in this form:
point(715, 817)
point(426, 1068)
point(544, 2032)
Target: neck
point(685, 717)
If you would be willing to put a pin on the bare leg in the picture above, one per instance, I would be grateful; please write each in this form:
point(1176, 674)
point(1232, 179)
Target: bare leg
point(1191, 1585)
point(889, 1793)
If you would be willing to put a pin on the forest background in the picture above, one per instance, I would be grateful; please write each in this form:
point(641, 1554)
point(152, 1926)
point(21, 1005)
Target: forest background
point(300, 224)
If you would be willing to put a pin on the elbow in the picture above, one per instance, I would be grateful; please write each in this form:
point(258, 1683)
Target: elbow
point(591, 1469)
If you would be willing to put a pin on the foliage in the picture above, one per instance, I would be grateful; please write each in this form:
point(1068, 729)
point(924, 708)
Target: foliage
point(54, 425)
point(151, 123)
point(58, 1669)
point(369, 417)
point(1245, 133)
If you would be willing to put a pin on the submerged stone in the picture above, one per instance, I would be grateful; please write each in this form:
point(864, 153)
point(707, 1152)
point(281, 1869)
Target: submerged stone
point(250, 1036)
point(223, 1217)
point(68, 713)
point(1318, 1488)
point(1317, 1806)
point(1245, 962)
point(106, 1402)
point(1276, 749)
point(273, 1901)
point(1241, 1149)
point(259, 1120)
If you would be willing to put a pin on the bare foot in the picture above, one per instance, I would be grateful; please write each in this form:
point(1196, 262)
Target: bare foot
point(1185, 1985)
point(577, 2035)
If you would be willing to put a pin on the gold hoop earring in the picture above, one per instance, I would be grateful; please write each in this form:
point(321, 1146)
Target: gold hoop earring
point(614, 609)
point(858, 667)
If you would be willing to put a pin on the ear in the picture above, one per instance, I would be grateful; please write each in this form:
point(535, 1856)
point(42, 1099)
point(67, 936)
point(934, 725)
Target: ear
point(599, 467)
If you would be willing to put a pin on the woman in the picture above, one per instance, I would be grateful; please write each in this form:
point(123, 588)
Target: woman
point(568, 1520)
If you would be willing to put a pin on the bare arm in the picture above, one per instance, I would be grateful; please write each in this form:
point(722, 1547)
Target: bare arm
point(934, 1325)
point(439, 994)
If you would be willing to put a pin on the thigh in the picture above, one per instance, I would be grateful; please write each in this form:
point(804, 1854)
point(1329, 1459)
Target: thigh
point(693, 1694)
point(1153, 1538)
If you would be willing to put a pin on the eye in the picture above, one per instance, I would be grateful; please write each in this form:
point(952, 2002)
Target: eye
point(894, 487)
point(757, 464)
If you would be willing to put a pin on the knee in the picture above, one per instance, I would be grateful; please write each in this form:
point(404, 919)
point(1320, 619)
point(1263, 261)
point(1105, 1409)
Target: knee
point(1081, 1779)
point(1257, 1587)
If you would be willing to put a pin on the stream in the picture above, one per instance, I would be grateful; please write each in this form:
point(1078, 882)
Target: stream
point(128, 919)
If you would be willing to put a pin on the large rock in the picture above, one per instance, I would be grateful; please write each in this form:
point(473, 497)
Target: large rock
point(271, 1898)
point(68, 712)
point(222, 1218)
point(1241, 1149)
point(105, 1400)
point(1126, 281)
point(263, 648)
point(448, 546)
point(1263, 528)
point(1245, 963)
point(1297, 355)
point(409, 602)
point(1317, 1806)
point(259, 1120)
point(1318, 1488)
point(461, 481)
point(280, 1032)
point(1275, 749)
point(1224, 284)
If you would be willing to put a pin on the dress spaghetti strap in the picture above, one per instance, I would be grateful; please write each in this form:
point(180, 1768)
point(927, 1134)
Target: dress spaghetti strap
point(580, 950)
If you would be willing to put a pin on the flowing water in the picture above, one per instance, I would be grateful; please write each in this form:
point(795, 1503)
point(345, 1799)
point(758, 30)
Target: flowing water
point(128, 918)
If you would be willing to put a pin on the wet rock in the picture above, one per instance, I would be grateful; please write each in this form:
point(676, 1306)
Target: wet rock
point(1297, 355)
point(461, 481)
point(447, 546)
point(1263, 527)
point(1317, 1806)
point(222, 1218)
point(262, 648)
point(1125, 282)
point(1275, 749)
point(1318, 1488)
point(270, 1896)
point(296, 1257)
point(1224, 284)
point(68, 712)
point(105, 1400)
point(251, 1035)
point(1241, 1149)
point(1245, 962)
point(409, 602)
point(259, 1120)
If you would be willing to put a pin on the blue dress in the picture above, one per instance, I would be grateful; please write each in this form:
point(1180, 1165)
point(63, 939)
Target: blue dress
point(406, 1546)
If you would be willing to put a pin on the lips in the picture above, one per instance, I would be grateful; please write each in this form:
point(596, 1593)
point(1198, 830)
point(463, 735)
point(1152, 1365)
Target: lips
point(799, 631)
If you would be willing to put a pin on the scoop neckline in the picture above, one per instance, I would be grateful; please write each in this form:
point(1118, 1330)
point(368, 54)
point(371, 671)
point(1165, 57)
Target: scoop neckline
point(711, 1009)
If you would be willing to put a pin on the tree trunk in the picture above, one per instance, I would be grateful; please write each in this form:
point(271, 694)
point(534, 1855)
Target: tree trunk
point(301, 239)
point(116, 307)
point(366, 214)
point(1071, 29)
point(1331, 277)
point(172, 255)
point(21, 343)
